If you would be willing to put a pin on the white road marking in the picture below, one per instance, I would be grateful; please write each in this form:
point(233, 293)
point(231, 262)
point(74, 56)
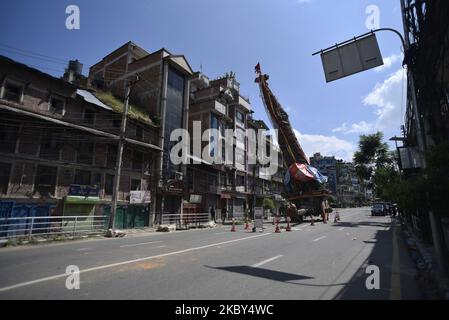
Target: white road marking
point(83, 249)
point(341, 229)
point(320, 238)
point(266, 261)
point(139, 244)
point(161, 247)
point(112, 265)
point(221, 232)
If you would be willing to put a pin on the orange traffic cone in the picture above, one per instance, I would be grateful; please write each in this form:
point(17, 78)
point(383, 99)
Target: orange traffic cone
point(233, 226)
point(289, 228)
point(247, 224)
point(277, 230)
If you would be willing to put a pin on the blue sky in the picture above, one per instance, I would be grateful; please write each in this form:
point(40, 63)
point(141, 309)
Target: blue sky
point(235, 35)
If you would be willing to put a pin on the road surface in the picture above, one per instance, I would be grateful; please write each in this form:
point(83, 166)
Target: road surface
point(311, 262)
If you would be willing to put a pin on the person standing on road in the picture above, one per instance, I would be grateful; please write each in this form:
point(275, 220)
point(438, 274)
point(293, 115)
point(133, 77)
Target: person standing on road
point(212, 213)
point(223, 215)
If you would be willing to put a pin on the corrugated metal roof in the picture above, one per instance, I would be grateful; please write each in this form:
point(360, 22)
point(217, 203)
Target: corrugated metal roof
point(89, 97)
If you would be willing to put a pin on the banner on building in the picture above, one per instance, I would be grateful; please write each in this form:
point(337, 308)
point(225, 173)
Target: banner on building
point(139, 197)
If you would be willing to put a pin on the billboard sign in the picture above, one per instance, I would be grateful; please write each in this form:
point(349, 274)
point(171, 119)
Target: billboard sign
point(357, 56)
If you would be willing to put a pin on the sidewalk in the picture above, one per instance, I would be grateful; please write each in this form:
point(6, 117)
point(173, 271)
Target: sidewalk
point(423, 255)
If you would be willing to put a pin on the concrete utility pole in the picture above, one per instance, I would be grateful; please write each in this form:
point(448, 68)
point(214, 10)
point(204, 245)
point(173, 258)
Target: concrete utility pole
point(121, 143)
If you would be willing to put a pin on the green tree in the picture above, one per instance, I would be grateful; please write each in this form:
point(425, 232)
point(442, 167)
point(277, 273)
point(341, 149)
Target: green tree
point(374, 163)
point(437, 182)
point(268, 204)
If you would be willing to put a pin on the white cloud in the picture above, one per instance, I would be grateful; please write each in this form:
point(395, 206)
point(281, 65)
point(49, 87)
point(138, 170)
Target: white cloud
point(326, 145)
point(360, 128)
point(386, 99)
point(389, 62)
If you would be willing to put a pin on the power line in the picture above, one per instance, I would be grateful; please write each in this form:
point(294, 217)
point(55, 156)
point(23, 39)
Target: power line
point(32, 56)
point(33, 53)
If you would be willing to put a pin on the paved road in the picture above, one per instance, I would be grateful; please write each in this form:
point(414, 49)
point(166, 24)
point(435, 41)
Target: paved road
point(311, 262)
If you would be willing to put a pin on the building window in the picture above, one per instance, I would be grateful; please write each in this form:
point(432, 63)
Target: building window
point(57, 105)
point(139, 132)
point(135, 184)
point(116, 123)
point(137, 160)
point(82, 177)
point(214, 124)
point(12, 91)
point(89, 117)
point(85, 154)
point(108, 184)
point(173, 118)
point(50, 145)
point(239, 116)
point(112, 156)
point(97, 179)
point(240, 181)
point(5, 171)
point(8, 137)
point(45, 182)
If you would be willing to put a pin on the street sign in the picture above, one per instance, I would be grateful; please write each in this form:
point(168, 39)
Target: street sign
point(356, 56)
point(258, 217)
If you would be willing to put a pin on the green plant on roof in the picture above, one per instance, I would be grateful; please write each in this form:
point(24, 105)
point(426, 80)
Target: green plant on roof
point(134, 112)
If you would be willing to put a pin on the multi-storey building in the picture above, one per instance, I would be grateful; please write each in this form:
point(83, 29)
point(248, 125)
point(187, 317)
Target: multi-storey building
point(327, 166)
point(163, 93)
point(218, 104)
point(59, 140)
point(261, 184)
point(58, 146)
point(349, 191)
